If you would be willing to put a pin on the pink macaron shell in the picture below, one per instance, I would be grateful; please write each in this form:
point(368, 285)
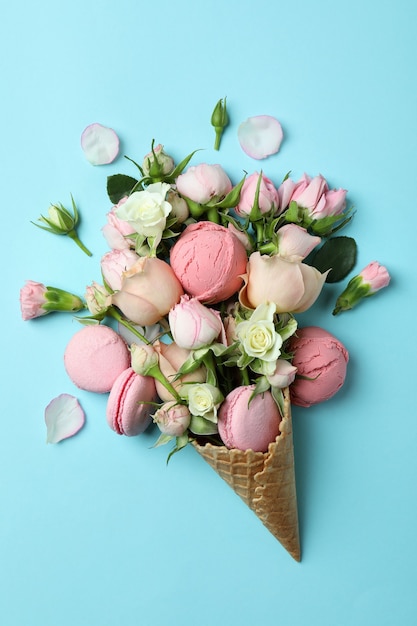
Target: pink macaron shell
point(94, 358)
point(248, 426)
point(127, 410)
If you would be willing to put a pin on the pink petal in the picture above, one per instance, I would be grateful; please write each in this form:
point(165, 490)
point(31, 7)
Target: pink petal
point(64, 417)
point(260, 136)
point(100, 144)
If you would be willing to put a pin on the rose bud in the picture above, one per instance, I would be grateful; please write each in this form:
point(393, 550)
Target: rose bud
point(144, 358)
point(172, 418)
point(283, 375)
point(295, 243)
point(157, 163)
point(98, 299)
point(368, 282)
point(194, 325)
point(171, 358)
point(116, 232)
point(37, 300)
point(268, 195)
point(204, 183)
point(149, 290)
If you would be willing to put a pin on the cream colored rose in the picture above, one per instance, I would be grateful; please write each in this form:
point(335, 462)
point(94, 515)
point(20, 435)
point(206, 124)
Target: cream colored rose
point(258, 336)
point(146, 211)
point(292, 286)
point(204, 400)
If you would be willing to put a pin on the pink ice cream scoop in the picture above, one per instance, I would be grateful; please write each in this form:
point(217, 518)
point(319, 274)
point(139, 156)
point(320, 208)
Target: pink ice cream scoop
point(248, 425)
point(321, 358)
point(209, 260)
point(128, 409)
point(94, 357)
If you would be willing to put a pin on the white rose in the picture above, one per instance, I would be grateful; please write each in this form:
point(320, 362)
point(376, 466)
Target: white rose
point(203, 400)
point(146, 211)
point(258, 336)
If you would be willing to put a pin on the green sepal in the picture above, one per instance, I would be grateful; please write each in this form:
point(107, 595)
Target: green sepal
point(179, 168)
point(162, 440)
point(232, 198)
point(180, 443)
point(119, 186)
point(261, 386)
point(324, 226)
point(278, 397)
point(337, 254)
point(201, 426)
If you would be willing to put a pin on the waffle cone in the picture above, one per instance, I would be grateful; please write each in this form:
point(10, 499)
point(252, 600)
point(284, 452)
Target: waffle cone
point(264, 480)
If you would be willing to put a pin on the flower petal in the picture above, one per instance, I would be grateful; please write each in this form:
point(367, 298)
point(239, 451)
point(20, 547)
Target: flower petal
point(100, 144)
point(64, 417)
point(260, 136)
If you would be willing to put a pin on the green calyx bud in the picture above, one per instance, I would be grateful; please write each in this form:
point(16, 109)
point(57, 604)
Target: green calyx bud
point(219, 119)
point(354, 292)
point(60, 300)
point(60, 221)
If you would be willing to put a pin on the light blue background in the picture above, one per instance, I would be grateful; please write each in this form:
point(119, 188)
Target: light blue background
point(97, 530)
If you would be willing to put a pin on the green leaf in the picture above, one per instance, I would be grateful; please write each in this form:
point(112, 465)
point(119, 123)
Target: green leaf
point(119, 185)
point(337, 254)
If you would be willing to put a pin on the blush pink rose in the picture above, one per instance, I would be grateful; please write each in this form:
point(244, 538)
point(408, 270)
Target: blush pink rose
point(114, 264)
point(149, 290)
point(283, 375)
point(32, 297)
point(172, 418)
point(116, 232)
point(314, 195)
point(295, 243)
point(268, 195)
point(204, 183)
point(209, 261)
point(194, 325)
point(376, 276)
point(293, 287)
point(171, 358)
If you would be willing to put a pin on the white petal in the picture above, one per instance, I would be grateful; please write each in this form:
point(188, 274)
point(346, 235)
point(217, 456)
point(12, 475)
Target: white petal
point(260, 136)
point(100, 144)
point(64, 417)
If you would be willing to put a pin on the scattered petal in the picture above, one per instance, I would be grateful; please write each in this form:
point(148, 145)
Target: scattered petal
point(64, 417)
point(260, 136)
point(100, 144)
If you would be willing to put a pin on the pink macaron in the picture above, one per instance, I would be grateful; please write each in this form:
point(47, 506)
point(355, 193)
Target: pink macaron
point(94, 358)
point(128, 412)
point(248, 425)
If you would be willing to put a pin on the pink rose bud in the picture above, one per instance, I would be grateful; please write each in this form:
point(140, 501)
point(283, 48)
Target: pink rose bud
point(144, 358)
point(283, 375)
point(179, 206)
point(368, 282)
point(295, 243)
point(309, 193)
point(97, 298)
point(268, 199)
point(149, 290)
point(204, 183)
point(285, 192)
point(114, 264)
point(37, 300)
point(172, 418)
point(116, 232)
point(335, 203)
point(171, 358)
point(194, 325)
point(157, 163)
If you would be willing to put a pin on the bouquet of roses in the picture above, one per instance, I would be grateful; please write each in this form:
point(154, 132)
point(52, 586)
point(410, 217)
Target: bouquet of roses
point(205, 279)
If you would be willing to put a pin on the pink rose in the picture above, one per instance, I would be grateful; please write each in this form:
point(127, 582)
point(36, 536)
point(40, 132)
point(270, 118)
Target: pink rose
point(194, 325)
point(293, 287)
point(172, 418)
point(204, 183)
point(376, 276)
point(295, 243)
point(114, 264)
point(171, 357)
point(314, 195)
point(268, 195)
point(149, 290)
point(283, 375)
point(32, 299)
point(116, 232)
point(209, 261)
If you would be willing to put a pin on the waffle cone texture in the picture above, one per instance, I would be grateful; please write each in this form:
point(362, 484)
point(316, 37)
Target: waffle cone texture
point(264, 480)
